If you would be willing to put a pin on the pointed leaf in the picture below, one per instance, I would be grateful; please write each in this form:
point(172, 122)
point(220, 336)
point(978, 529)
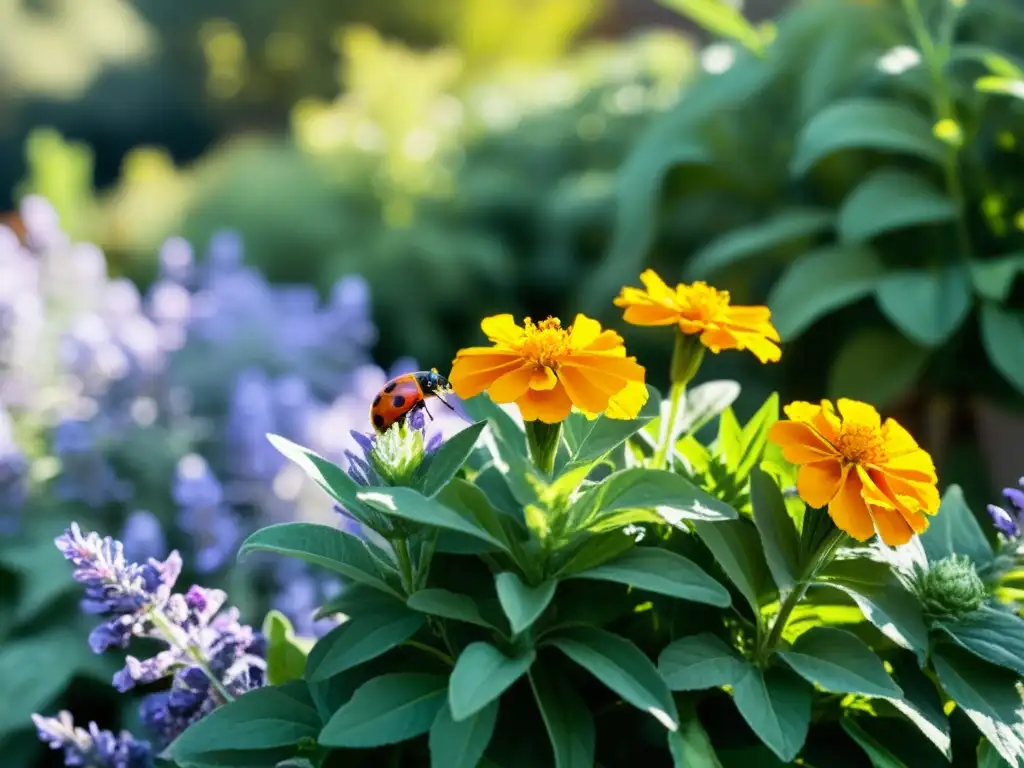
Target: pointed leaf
point(411, 505)
point(286, 654)
point(991, 634)
point(522, 603)
point(320, 545)
point(891, 199)
point(482, 673)
point(690, 746)
point(928, 306)
point(776, 528)
point(590, 440)
point(698, 662)
point(876, 365)
point(921, 704)
point(386, 710)
point(955, 530)
point(1002, 333)
point(840, 662)
point(461, 744)
point(737, 550)
point(621, 666)
point(375, 630)
point(448, 605)
point(448, 459)
point(663, 572)
point(569, 724)
point(777, 706)
point(880, 756)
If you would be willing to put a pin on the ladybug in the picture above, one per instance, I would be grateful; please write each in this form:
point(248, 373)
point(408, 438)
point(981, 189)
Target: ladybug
point(404, 394)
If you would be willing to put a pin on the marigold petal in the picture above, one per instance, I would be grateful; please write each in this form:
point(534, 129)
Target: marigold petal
point(760, 346)
point(916, 467)
point(502, 329)
point(799, 442)
point(859, 413)
point(598, 364)
point(513, 385)
point(892, 528)
point(628, 402)
point(848, 510)
point(801, 410)
point(923, 497)
point(543, 378)
point(609, 342)
point(587, 392)
point(656, 287)
point(898, 441)
point(753, 319)
point(584, 332)
point(472, 374)
point(649, 314)
point(818, 482)
point(548, 405)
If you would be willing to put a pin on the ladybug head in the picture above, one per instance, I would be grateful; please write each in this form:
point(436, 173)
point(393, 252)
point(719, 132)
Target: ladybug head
point(434, 382)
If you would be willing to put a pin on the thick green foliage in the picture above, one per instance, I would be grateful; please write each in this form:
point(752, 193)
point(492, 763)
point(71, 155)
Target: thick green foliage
point(861, 176)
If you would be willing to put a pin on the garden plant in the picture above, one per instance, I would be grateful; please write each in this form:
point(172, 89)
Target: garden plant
point(589, 574)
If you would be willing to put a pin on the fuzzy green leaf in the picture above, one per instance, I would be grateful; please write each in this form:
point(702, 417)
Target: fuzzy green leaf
point(891, 199)
point(569, 724)
point(955, 531)
point(447, 605)
point(461, 744)
point(775, 526)
point(777, 706)
point(928, 306)
point(840, 662)
point(386, 710)
point(448, 460)
point(1002, 333)
point(523, 604)
point(991, 634)
point(482, 673)
point(698, 662)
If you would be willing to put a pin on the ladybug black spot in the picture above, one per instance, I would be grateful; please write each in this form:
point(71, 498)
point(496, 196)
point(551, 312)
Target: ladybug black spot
point(399, 401)
point(378, 420)
point(390, 387)
point(376, 401)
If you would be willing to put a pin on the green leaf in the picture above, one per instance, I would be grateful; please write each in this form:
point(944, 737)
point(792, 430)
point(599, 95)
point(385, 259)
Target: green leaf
point(621, 666)
point(569, 724)
point(698, 662)
point(777, 706)
point(755, 239)
point(42, 578)
point(320, 545)
point(482, 673)
point(473, 504)
point(737, 550)
point(593, 551)
point(993, 278)
point(754, 436)
point(704, 402)
point(447, 605)
point(25, 689)
point(461, 744)
point(955, 530)
point(891, 199)
point(879, 756)
point(386, 710)
point(412, 505)
point(820, 282)
point(721, 19)
point(329, 476)
point(840, 662)
point(778, 534)
point(286, 654)
point(991, 634)
point(876, 365)
point(1007, 86)
point(921, 704)
point(589, 440)
point(448, 460)
point(375, 630)
point(690, 745)
point(928, 306)
point(523, 604)
point(504, 427)
point(265, 718)
point(988, 695)
point(661, 571)
point(1002, 333)
point(989, 757)
point(863, 123)
point(995, 61)
point(674, 497)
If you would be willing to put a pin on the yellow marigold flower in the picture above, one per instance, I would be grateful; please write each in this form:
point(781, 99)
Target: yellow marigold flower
point(700, 309)
point(546, 369)
point(872, 476)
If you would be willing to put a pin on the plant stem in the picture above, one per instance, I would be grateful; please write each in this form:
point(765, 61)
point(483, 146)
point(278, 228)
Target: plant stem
point(543, 440)
point(401, 547)
point(825, 554)
point(432, 651)
point(667, 438)
point(167, 630)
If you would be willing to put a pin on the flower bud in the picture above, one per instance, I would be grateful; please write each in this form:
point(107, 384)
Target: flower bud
point(398, 453)
point(686, 358)
point(950, 588)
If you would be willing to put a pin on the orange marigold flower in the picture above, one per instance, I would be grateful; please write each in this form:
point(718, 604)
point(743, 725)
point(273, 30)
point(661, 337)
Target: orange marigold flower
point(700, 309)
point(546, 369)
point(872, 476)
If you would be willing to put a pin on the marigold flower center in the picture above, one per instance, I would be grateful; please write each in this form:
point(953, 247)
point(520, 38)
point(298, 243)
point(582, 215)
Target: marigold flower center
point(861, 444)
point(705, 303)
point(545, 342)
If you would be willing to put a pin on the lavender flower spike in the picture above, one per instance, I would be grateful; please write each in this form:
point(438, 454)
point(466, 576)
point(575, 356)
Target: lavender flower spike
point(127, 592)
point(1010, 522)
point(92, 748)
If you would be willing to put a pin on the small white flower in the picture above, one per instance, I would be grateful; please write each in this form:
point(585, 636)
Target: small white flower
point(898, 60)
point(718, 58)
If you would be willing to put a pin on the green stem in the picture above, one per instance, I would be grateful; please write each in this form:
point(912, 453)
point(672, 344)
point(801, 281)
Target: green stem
point(432, 651)
point(166, 628)
point(543, 440)
point(936, 55)
point(401, 547)
point(667, 441)
point(825, 554)
point(427, 554)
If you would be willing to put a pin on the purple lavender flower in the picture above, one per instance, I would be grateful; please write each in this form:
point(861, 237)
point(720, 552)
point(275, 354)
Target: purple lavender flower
point(1010, 522)
point(143, 536)
point(13, 477)
point(203, 514)
point(92, 748)
point(86, 474)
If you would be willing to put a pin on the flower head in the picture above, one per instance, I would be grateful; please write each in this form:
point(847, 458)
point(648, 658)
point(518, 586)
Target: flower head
point(1009, 522)
point(700, 309)
point(950, 588)
point(871, 475)
point(546, 369)
point(92, 748)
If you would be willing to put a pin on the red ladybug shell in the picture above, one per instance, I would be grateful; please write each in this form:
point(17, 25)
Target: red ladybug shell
point(395, 401)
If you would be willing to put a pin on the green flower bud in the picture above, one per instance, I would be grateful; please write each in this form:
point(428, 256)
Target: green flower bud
point(398, 454)
point(687, 357)
point(950, 588)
